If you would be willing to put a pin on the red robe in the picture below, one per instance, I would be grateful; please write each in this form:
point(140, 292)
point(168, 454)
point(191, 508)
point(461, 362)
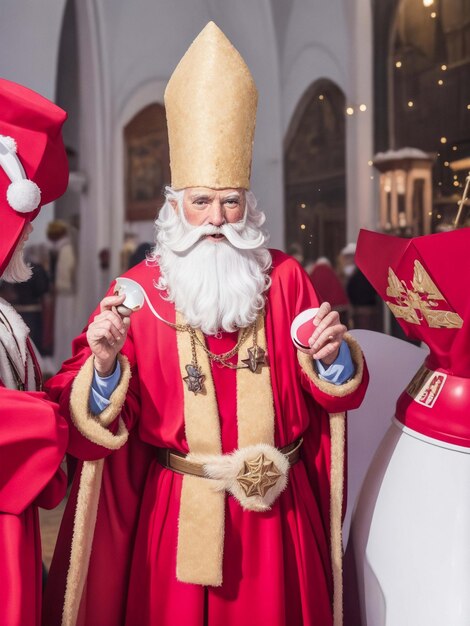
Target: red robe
point(276, 564)
point(33, 439)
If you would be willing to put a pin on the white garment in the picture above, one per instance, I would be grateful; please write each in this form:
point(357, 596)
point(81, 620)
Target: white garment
point(16, 350)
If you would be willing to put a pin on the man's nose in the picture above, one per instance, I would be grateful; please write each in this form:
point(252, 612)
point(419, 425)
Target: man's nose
point(216, 216)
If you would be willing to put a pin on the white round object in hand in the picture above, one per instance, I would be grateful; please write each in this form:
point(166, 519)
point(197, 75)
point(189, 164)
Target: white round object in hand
point(133, 291)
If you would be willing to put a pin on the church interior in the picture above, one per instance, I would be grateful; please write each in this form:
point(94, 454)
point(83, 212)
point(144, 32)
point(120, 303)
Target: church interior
point(363, 122)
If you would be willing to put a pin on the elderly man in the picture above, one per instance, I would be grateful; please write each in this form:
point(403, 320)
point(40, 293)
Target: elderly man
point(208, 469)
point(33, 437)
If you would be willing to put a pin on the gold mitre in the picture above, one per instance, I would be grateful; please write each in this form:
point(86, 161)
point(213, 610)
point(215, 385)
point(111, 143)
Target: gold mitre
point(210, 104)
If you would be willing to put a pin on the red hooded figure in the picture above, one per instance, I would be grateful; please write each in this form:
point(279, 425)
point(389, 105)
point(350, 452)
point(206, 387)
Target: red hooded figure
point(410, 526)
point(33, 437)
point(425, 282)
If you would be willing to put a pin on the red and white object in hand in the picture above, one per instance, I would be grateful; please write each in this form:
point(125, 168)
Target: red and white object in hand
point(302, 329)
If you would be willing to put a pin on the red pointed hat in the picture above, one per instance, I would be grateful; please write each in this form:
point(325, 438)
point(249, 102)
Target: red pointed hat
point(425, 281)
point(33, 161)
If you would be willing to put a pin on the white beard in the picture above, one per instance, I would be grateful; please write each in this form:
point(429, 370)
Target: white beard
point(17, 271)
point(216, 285)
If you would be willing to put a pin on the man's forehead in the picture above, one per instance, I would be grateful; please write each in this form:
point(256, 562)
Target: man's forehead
point(196, 192)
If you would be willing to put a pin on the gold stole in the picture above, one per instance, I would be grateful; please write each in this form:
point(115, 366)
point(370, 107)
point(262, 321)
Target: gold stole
point(201, 518)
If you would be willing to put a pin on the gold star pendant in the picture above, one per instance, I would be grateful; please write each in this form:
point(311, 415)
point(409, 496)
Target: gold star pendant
point(258, 476)
point(255, 357)
point(194, 379)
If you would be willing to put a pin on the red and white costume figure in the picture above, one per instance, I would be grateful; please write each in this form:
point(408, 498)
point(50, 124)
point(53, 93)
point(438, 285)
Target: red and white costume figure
point(210, 509)
point(410, 529)
point(33, 437)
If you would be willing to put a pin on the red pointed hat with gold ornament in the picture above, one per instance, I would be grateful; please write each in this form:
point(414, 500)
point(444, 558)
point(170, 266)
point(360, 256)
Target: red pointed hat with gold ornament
point(425, 281)
point(33, 162)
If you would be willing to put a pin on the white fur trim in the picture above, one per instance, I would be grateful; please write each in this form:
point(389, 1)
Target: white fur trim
point(95, 427)
point(23, 195)
point(225, 469)
point(339, 391)
point(338, 438)
point(82, 538)
point(9, 143)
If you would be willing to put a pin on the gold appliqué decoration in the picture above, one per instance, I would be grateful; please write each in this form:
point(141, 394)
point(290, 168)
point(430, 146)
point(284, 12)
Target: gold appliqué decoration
point(419, 304)
point(258, 476)
point(426, 386)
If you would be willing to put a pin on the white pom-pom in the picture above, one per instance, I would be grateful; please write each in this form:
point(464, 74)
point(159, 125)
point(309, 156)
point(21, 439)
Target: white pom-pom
point(23, 195)
point(9, 143)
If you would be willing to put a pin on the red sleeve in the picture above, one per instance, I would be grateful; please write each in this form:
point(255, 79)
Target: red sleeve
point(59, 388)
point(33, 440)
point(292, 293)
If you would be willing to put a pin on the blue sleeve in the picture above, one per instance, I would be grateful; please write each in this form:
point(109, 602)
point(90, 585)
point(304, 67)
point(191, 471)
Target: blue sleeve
point(340, 370)
point(102, 388)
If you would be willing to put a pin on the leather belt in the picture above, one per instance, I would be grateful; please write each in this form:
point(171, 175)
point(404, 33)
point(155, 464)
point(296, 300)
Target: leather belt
point(177, 461)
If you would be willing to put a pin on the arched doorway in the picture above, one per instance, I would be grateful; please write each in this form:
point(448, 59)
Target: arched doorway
point(315, 181)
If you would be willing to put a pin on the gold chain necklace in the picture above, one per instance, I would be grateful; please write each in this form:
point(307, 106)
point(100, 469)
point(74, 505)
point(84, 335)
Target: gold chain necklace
point(195, 378)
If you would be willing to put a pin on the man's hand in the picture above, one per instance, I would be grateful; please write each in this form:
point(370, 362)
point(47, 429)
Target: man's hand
point(327, 336)
point(107, 334)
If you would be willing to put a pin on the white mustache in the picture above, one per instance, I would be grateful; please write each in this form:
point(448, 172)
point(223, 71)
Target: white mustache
point(232, 232)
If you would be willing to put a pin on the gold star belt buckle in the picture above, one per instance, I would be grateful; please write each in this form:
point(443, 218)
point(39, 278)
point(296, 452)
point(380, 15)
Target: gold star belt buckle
point(254, 475)
point(258, 476)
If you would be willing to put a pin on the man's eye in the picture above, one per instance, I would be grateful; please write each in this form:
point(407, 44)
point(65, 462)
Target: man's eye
point(232, 202)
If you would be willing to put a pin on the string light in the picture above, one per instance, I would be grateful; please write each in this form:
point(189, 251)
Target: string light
point(456, 183)
point(369, 163)
point(428, 3)
point(454, 148)
point(321, 97)
point(350, 111)
point(440, 82)
point(446, 163)
point(398, 64)
point(303, 227)
point(362, 107)
point(433, 14)
point(443, 139)
point(443, 68)
point(468, 107)
point(302, 206)
point(411, 103)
